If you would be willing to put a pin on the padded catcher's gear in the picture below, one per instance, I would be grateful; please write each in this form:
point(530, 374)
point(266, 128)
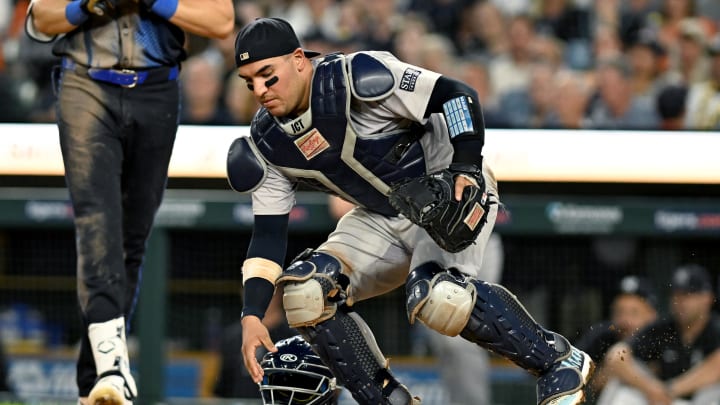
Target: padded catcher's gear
point(296, 375)
point(429, 201)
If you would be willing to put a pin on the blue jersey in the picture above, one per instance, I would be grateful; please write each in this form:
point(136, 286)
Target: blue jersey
point(136, 39)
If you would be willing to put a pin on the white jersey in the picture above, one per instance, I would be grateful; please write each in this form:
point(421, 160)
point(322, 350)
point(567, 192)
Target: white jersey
point(404, 104)
point(376, 250)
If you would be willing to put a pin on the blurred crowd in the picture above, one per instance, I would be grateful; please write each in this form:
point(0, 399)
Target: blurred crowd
point(610, 64)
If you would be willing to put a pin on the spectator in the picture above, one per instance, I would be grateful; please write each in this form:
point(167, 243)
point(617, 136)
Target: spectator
point(563, 20)
point(547, 49)
point(483, 32)
point(438, 54)
point(201, 83)
point(410, 34)
point(634, 19)
point(531, 107)
point(616, 107)
point(677, 357)
point(444, 15)
point(671, 107)
point(380, 24)
point(703, 99)
point(633, 307)
point(310, 17)
point(670, 21)
point(606, 44)
point(689, 61)
point(646, 58)
point(511, 71)
point(570, 108)
point(569, 23)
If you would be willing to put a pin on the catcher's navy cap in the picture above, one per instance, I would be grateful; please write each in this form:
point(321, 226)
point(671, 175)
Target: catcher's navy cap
point(266, 38)
point(691, 278)
point(634, 285)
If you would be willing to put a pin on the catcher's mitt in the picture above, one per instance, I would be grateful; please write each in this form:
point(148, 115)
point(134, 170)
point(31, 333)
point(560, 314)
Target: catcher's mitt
point(429, 201)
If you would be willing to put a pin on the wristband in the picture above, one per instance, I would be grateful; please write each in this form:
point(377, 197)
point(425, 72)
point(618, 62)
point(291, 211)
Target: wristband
point(165, 8)
point(261, 268)
point(74, 13)
point(257, 294)
point(468, 150)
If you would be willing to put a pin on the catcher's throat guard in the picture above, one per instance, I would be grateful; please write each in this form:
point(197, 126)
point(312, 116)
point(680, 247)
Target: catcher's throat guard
point(429, 201)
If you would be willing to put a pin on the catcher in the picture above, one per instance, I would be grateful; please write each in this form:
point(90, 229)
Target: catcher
point(404, 145)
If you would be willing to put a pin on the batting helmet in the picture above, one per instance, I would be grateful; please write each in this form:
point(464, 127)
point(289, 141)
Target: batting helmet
point(296, 375)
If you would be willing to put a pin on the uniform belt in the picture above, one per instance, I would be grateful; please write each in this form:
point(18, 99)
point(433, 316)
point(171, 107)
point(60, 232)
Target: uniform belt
point(125, 77)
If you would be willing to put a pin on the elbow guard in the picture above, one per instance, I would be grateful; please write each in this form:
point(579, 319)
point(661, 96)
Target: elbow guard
point(246, 168)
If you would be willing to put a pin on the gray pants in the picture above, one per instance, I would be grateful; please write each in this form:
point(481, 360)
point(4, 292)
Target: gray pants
point(380, 251)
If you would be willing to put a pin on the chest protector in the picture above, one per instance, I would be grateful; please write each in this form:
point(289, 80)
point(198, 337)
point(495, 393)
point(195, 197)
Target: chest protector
point(329, 155)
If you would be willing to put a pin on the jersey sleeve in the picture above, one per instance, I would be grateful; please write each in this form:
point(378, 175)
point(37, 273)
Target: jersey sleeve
point(276, 196)
point(413, 87)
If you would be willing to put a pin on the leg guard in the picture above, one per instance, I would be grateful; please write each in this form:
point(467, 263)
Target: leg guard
point(484, 313)
point(315, 294)
point(313, 287)
point(501, 324)
point(347, 346)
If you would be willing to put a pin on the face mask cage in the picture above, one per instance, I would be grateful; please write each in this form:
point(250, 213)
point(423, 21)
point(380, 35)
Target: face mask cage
point(290, 387)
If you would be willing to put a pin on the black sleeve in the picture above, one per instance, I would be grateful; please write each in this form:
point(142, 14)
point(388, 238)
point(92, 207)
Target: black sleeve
point(468, 145)
point(269, 241)
point(269, 237)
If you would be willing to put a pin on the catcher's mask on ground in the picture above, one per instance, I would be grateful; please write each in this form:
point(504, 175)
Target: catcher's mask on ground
point(296, 375)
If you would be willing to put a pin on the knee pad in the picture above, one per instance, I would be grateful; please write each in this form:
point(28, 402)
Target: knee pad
point(442, 299)
point(313, 287)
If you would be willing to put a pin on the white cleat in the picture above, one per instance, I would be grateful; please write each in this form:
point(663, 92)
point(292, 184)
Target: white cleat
point(109, 390)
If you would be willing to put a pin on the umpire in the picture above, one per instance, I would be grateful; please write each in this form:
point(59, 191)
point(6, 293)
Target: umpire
point(117, 112)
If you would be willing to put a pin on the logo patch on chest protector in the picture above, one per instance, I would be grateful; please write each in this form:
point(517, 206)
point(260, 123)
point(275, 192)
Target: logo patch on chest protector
point(311, 144)
point(409, 79)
